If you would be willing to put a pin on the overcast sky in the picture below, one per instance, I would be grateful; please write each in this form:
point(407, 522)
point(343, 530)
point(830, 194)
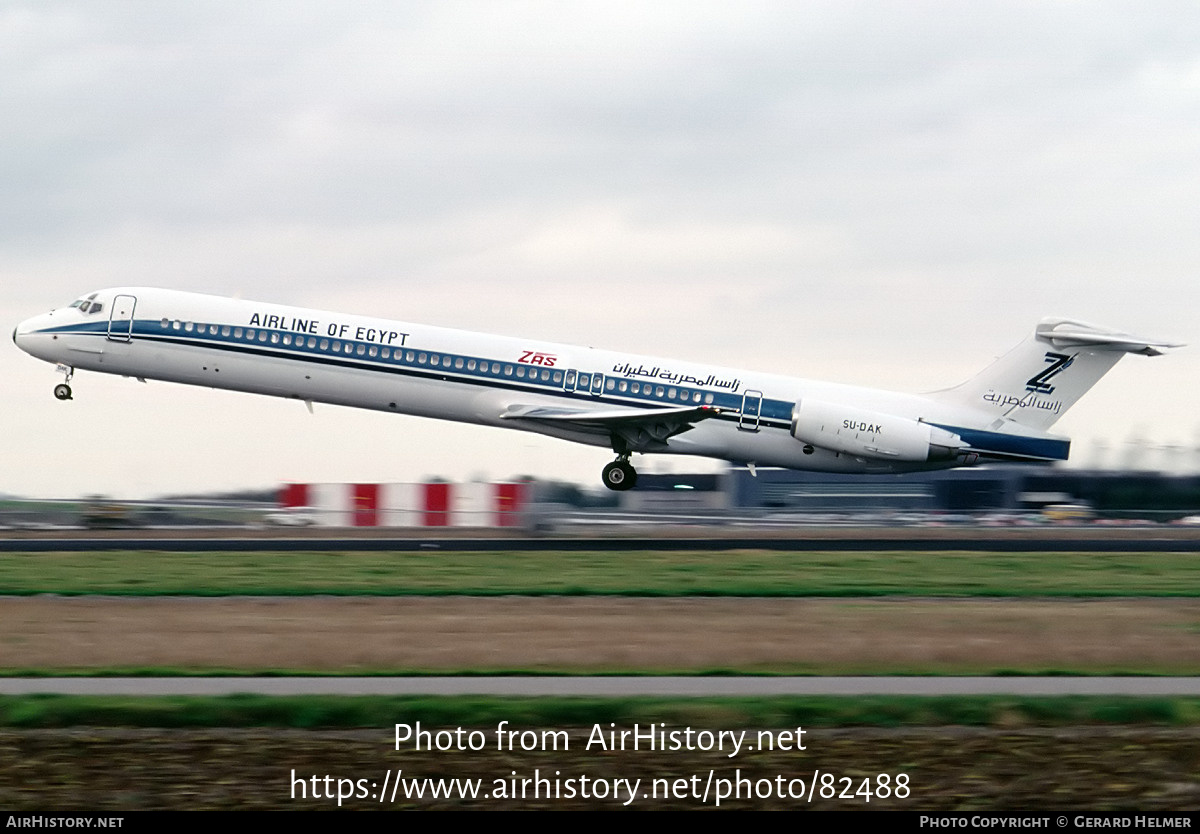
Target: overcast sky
point(885, 194)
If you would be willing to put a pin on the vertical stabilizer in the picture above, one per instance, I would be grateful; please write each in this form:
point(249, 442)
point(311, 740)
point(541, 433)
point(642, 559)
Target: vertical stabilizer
point(1038, 380)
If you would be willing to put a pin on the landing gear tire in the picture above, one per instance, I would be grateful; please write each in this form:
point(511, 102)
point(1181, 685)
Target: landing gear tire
point(62, 391)
point(619, 476)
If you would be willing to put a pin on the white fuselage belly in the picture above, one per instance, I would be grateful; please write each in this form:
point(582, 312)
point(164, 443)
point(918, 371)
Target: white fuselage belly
point(454, 375)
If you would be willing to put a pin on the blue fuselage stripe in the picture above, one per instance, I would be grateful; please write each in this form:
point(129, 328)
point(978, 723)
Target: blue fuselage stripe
point(1012, 445)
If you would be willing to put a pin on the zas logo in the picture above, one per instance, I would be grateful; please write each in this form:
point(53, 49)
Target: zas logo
point(536, 357)
point(1039, 383)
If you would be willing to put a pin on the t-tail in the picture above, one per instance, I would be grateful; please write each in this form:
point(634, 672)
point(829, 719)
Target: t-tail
point(1038, 380)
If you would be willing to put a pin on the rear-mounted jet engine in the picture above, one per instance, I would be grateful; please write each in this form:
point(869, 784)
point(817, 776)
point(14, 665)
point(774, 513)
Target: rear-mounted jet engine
point(871, 434)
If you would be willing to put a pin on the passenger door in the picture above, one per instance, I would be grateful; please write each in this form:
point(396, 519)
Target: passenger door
point(120, 318)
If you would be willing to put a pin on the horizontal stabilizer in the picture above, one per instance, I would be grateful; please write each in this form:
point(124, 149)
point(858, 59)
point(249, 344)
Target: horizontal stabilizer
point(1065, 333)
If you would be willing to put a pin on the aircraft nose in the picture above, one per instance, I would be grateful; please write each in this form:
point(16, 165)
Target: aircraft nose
point(23, 332)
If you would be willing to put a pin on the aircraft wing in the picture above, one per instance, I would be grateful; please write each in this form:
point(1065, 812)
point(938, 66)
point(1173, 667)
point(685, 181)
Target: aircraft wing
point(637, 429)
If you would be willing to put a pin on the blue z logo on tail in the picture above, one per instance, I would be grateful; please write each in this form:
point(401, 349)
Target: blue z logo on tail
point(1039, 383)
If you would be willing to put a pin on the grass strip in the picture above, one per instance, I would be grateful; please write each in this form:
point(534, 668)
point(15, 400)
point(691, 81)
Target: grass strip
point(382, 712)
point(646, 573)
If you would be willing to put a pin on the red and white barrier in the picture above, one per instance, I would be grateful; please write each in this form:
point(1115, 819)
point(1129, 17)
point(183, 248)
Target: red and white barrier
point(409, 505)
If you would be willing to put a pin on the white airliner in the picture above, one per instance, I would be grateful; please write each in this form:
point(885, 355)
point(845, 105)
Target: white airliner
point(631, 404)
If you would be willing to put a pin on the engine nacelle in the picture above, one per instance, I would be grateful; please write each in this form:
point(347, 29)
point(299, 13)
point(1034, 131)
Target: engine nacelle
point(870, 434)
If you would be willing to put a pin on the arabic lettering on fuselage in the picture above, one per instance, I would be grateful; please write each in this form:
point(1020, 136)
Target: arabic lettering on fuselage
point(337, 330)
point(1026, 401)
point(669, 376)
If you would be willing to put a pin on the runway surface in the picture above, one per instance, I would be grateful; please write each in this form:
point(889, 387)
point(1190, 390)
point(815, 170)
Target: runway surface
point(615, 686)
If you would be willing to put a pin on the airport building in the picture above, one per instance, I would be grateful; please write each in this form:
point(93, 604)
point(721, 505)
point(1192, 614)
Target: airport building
point(992, 489)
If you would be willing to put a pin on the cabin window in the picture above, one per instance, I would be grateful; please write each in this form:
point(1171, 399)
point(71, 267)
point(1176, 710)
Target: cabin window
point(658, 392)
point(250, 334)
point(337, 346)
point(262, 335)
point(349, 347)
point(212, 330)
point(584, 381)
point(373, 351)
point(520, 372)
point(483, 367)
point(696, 397)
point(445, 361)
point(274, 338)
point(470, 364)
point(670, 393)
point(508, 370)
point(708, 398)
point(165, 323)
point(386, 353)
point(545, 375)
point(225, 330)
point(187, 326)
point(408, 356)
point(362, 349)
point(623, 386)
point(287, 339)
point(458, 363)
point(558, 377)
point(237, 332)
point(312, 343)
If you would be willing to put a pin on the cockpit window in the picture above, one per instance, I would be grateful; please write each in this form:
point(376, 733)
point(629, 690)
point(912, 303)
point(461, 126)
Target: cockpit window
point(88, 306)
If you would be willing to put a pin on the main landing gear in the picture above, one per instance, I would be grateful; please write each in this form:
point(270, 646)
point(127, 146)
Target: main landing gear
point(62, 391)
point(620, 474)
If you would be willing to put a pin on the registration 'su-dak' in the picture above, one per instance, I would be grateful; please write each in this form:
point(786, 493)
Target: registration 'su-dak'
point(631, 404)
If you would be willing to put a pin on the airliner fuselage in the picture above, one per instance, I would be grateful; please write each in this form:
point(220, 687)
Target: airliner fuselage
point(629, 403)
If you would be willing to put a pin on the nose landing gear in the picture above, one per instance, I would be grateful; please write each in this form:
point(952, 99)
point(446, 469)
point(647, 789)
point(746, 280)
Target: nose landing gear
point(62, 391)
point(620, 474)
